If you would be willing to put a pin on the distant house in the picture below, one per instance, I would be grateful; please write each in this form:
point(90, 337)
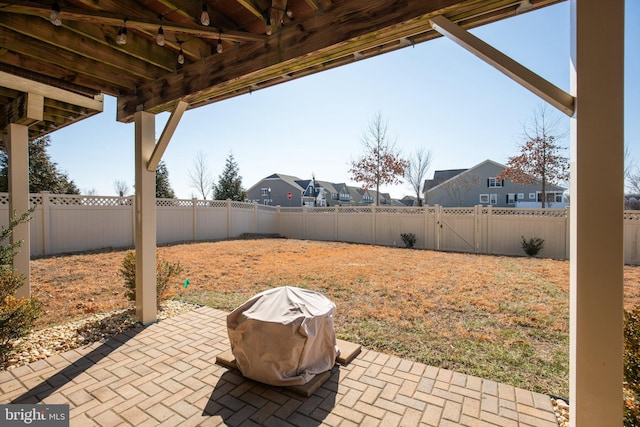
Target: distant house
point(287, 190)
point(478, 186)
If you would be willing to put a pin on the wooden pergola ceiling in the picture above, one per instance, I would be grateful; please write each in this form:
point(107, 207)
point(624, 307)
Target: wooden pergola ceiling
point(82, 57)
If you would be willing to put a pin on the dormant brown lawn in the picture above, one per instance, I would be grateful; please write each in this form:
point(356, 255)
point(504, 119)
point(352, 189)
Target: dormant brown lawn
point(502, 318)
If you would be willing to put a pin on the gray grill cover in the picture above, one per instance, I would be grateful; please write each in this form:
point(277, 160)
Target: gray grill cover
point(283, 336)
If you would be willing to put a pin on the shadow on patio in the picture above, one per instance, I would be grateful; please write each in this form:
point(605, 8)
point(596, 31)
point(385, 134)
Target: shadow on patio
point(166, 374)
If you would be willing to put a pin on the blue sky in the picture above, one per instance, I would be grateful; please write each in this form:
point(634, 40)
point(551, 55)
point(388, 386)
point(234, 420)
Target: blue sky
point(434, 95)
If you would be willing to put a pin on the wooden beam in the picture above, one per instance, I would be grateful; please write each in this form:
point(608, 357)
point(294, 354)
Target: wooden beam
point(278, 8)
point(45, 53)
point(26, 109)
point(58, 76)
point(314, 4)
point(117, 20)
point(24, 85)
point(167, 133)
point(113, 55)
point(527, 78)
point(255, 10)
point(312, 42)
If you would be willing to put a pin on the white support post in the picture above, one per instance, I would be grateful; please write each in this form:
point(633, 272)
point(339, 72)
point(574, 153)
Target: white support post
point(145, 208)
point(596, 261)
point(18, 151)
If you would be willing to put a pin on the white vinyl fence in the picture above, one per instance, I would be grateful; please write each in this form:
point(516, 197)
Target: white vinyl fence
point(66, 223)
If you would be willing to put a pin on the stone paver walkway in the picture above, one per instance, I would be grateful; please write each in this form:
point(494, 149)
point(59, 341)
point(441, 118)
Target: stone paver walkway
point(165, 375)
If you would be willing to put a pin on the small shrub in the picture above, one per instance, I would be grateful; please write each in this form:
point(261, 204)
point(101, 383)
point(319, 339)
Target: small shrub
point(165, 271)
point(409, 239)
point(532, 246)
point(632, 367)
point(17, 316)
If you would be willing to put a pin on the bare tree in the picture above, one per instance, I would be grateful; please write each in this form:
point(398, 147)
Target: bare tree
point(416, 171)
point(633, 180)
point(539, 159)
point(121, 187)
point(200, 177)
point(458, 187)
point(629, 166)
point(381, 162)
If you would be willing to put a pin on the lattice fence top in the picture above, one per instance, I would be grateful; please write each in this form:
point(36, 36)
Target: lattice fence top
point(322, 210)
point(388, 210)
point(73, 200)
point(537, 212)
point(458, 211)
point(176, 203)
point(632, 215)
point(242, 205)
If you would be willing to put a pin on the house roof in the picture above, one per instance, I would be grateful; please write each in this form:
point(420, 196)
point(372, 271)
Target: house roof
point(441, 176)
point(71, 65)
point(462, 172)
point(289, 179)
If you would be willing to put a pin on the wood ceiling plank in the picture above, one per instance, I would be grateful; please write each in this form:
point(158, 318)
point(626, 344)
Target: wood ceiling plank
point(45, 53)
point(117, 20)
point(278, 8)
point(347, 28)
point(58, 75)
point(144, 49)
point(256, 10)
point(83, 46)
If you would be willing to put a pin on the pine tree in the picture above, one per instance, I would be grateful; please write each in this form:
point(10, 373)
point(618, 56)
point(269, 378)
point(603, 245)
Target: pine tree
point(163, 188)
point(229, 184)
point(43, 173)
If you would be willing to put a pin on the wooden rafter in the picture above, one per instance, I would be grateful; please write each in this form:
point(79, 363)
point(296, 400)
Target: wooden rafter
point(87, 48)
point(116, 20)
point(292, 51)
point(256, 10)
point(278, 9)
point(83, 57)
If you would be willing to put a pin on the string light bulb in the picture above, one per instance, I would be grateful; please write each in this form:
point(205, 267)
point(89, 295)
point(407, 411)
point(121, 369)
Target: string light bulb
point(160, 36)
point(180, 55)
point(121, 38)
point(204, 16)
point(54, 16)
point(268, 28)
point(219, 47)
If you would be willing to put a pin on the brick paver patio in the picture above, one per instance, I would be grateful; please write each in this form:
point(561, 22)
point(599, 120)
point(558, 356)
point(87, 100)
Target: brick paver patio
point(165, 375)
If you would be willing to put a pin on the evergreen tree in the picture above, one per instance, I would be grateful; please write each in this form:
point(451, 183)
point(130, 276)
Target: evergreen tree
point(229, 184)
point(163, 188)
point(43, 173)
